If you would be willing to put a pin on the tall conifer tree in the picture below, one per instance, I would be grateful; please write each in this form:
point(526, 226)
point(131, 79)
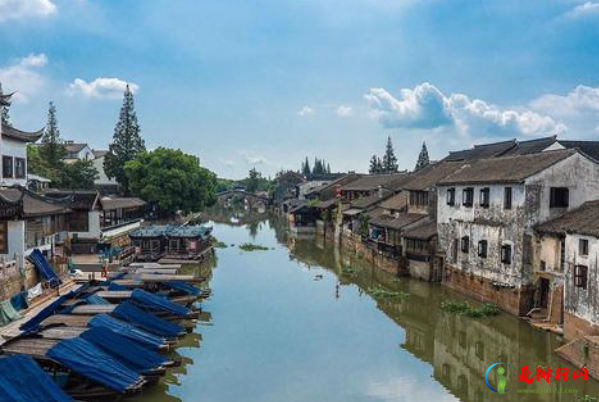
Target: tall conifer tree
point(389, 159)
point(423, 159)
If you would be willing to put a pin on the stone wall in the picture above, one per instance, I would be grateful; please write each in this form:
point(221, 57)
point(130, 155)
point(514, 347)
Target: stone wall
point(392, 265)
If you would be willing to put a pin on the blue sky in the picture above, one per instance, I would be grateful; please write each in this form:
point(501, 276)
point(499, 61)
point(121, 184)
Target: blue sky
point(265, 82)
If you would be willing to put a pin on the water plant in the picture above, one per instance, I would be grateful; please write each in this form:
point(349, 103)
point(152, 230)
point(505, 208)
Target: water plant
point(219, 244)
point(252, 247)
point(588, 398)
point(464, 308)
point(348, 271)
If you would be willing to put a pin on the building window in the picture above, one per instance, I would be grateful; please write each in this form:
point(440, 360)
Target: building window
point(465, 244)
point(507, 198)
point(583, 247)
point(543, 266)
point(451, 196)
point(560, 197)
point(581, 276)
point(419, 198)
point(485, 195)
point(468, 197)
point(20, 171)
point(506, 254)
point(3, 237)
point(7, 171)
point(482, 248)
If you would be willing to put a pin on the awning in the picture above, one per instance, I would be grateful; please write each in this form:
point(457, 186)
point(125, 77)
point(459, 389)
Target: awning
point(135, 357)
point(91, 362)
point(22, 380)
point(147, 321)
point(352, 212)
point(151, 301)
point(127, 330)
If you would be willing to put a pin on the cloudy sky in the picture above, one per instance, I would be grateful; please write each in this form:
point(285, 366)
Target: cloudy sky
point(265, 82)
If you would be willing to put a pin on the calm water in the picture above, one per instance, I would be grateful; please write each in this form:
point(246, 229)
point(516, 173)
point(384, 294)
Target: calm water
point(288, 325)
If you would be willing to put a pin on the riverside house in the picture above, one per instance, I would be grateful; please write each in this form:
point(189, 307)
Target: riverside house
point(486, 214)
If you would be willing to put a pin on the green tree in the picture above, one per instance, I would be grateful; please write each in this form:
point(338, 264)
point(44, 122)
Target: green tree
point(52, 148)
point(423, 160)
point(253, 182)
point(126, 144)
point(172, 180)
point(373, 168)
point(4, 116)
point(79, 175)
point(389, 159)
point(306, 168)
point(36, 164)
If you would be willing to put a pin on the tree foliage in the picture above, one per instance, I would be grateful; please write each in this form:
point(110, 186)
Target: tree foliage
point(389, 160)
point(306, 171)
point(172, 180)
point(52, 149)
point(4, 112)
point(126, 144)
point(256, 182)
point(423, 159)
point(376, 165)
point(320, 167)
point(79, 175)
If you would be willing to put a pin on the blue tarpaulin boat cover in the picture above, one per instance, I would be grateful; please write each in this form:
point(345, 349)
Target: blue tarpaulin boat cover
point(22, 380)
point(114, 287)
point(91, 362)
point(137, 358)
point(151, 301)
point(97, 300)
point(147, 321)
point(43, 268)
point(183, 287)
point(127, 330)
point(19, 301)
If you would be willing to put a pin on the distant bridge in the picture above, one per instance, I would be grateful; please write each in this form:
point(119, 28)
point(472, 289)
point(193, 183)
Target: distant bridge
point(252, 201)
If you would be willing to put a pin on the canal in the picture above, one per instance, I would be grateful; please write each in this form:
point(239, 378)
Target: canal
point(297, 322)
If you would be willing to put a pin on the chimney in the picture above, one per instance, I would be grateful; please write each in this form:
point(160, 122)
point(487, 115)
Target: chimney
point(380, 191)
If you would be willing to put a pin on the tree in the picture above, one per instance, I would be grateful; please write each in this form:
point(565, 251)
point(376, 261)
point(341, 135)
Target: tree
point(389, 159)
point(328, 168)
point(172, 180)
point(38, 165)
point(306, 168)
point(79, 175)
point(4, 116)
point(52, 149)
point(126, 144)
point(423, 159)
point(253, 181)
point(373, 167)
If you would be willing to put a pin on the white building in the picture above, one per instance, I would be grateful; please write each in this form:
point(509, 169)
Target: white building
point(486, 214)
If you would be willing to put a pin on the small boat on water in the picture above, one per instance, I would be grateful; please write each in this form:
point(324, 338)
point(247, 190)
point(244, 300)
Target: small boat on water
point(186, 243)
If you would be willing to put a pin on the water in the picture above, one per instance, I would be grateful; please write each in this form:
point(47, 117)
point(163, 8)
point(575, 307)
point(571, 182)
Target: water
point(288, 324)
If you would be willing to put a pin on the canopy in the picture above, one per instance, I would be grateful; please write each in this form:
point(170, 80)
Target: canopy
point(151, 301)
point(137, 358)
point(127, 330)
point(22, 380)
point(183, 287)
point(43, 268)
point(91, 362)
point(8, 313)
point(147, 321)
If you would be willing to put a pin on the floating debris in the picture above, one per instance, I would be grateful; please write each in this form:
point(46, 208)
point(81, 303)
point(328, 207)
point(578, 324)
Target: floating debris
point(380, 293)
point(252, 247)
point(464, 308)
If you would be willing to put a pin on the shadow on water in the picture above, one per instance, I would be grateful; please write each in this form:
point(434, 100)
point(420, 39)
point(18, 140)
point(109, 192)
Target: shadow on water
point(434, 349)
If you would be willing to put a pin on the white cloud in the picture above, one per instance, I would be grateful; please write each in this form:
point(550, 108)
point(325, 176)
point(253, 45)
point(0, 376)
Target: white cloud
point(251, 158)
point(306, 111)
point(426, 107)
point(107, 88)
point(583, 10)
point(22, 9)
point(580, 99)
point(344, 111)
point(23, 76)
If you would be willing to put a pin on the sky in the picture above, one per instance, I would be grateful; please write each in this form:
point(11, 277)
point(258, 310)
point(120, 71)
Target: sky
point(265, 83)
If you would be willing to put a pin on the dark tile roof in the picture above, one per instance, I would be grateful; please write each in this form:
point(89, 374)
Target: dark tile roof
point(432, 174)
point(98, 153)
point(423, 231)
point(391, 222)
point(327, 191)
point(481, 151)
point(327, 204)
point(290, 176)
point(76, 199)
point(590, 148)
point(583, 220)
point(73, 147)
point(531, 146)
point(16, 134)
point(34, 204)
point(371, 182)
point(367, 202)
point(509, 169)
point(397, 202)
point(112, 203)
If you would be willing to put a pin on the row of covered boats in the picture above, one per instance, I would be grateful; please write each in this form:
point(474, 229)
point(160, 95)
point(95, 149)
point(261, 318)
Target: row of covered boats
point(104, 339)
